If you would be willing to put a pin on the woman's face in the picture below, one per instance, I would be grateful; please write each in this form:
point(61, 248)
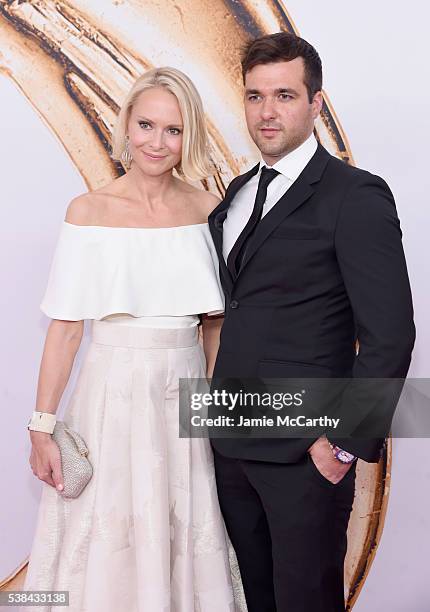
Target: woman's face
point(155, 131)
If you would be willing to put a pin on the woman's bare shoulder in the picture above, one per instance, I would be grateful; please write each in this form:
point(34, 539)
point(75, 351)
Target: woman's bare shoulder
point(205, 202)
point(81, 210)
point(87, 208)
point(210, 201)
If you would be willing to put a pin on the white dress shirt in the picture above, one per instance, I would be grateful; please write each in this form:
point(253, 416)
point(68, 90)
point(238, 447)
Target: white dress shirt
point(240, 209)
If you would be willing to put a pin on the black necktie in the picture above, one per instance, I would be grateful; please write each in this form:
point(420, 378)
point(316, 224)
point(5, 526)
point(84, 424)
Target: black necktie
point(235, 258)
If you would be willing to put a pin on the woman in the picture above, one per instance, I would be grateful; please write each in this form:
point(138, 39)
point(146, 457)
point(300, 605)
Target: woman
point(136, 257)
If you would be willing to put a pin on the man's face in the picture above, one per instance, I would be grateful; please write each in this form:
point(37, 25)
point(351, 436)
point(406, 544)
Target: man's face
point(278, 113)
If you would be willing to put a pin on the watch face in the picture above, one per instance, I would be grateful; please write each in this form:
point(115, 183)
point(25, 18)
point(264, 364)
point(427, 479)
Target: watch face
point(344, 456)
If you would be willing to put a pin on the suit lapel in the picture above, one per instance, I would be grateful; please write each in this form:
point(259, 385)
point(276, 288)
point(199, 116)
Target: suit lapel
point(299, 192)
point(217, 217)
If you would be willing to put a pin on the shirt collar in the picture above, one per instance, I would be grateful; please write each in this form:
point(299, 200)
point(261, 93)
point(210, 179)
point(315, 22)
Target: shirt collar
point(293, 164)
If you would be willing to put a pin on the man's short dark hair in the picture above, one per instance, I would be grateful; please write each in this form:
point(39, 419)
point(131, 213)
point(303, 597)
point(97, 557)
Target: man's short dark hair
point(284, 47)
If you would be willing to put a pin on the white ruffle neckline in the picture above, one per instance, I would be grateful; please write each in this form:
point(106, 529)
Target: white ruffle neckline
point(99, 270)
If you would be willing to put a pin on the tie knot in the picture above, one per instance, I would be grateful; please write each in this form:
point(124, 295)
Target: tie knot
point(267, 175)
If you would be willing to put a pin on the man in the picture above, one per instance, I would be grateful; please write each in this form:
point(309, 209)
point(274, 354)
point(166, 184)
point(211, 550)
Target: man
point(311, 262)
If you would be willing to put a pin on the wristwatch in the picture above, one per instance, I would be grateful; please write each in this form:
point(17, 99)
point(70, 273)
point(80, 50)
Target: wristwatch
point(342, 455)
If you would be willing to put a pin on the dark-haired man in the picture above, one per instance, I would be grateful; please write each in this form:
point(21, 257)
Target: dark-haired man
point(311, 261)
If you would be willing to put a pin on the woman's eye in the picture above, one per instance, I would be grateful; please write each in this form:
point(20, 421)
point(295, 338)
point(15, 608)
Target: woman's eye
point(144, 124)
point(174, 131)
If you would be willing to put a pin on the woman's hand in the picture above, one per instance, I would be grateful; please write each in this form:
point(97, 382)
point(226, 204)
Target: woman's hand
point(61, 345)
point(45, 459)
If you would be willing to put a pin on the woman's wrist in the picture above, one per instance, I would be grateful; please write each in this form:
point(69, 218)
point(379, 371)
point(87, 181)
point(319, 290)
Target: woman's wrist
point(42, 422)
point(40, 436)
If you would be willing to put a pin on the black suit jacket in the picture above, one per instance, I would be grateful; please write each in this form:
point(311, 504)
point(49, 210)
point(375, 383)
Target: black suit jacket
point(324, 268)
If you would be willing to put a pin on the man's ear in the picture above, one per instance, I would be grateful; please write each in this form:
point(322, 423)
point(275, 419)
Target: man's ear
point(317, 103)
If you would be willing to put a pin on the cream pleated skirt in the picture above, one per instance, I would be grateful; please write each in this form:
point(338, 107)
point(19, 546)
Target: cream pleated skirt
point(146, 534)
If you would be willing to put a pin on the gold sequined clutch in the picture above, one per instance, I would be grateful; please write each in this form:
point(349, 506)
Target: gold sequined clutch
point(77, 470)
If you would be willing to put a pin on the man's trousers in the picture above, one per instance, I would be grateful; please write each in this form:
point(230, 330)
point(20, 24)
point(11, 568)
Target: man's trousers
point(288, 525)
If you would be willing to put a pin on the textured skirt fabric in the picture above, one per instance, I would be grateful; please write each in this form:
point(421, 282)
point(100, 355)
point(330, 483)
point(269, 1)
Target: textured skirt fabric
point(146, 534)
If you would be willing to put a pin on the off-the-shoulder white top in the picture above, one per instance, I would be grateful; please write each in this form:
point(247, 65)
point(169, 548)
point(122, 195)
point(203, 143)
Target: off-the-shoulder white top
point(100, 271)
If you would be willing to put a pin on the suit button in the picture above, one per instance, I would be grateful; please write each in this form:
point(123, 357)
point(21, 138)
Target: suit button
point(234, 304)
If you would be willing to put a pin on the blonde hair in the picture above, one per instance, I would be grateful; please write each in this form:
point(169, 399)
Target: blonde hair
point(195, 161)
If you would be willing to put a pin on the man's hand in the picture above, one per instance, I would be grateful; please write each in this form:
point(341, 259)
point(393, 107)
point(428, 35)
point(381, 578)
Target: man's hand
point(326, 463)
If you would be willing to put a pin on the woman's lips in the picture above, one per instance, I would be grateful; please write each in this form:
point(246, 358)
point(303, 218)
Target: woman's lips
point(154, 157)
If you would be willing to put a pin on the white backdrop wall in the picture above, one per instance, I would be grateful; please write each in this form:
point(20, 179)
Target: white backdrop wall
point(375, 73)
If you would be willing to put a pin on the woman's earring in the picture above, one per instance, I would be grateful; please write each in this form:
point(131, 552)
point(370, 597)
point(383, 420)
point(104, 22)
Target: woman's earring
point(126, 157)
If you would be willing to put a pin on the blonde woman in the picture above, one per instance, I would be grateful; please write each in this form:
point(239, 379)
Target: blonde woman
point(136, 258)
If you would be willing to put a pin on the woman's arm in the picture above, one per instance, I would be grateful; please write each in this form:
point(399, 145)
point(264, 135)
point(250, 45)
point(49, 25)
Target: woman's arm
point(211, 326)
point(61, 345)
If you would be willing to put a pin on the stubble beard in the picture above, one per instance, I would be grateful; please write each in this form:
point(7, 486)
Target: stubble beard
point(279, 147)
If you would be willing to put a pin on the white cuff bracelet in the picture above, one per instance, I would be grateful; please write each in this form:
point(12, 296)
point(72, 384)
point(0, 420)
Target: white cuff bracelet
point(42, 421)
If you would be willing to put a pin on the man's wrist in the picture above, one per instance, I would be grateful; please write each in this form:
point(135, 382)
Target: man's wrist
point(342, 455)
